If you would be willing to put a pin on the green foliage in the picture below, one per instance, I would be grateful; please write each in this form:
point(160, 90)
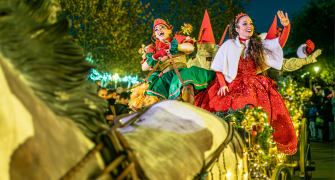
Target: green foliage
point(253, 120)
point(263, 138)
point(294, 96)
point(327, 75)
point(316, 22)
point(111, 30)
point(252, 123)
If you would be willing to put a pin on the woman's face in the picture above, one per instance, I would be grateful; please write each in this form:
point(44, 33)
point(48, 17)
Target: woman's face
point(162, 32)
point(245, 27)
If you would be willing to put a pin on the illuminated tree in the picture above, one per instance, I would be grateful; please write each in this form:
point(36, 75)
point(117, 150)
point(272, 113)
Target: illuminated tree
point(316, 22)
point(110, 31)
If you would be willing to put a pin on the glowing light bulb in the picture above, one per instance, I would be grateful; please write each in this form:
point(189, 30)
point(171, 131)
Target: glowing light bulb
point(228, 175)
point(240, 164)
point(245, 176)
point(116, 77)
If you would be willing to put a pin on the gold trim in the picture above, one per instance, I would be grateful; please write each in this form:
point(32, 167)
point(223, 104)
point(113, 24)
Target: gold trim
point(167, 65)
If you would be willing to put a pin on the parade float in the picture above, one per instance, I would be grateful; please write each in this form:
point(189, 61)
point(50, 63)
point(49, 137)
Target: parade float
point(54, 126)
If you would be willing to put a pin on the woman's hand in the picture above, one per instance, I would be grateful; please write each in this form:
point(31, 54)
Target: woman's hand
point(222, 90)
point(283, 18)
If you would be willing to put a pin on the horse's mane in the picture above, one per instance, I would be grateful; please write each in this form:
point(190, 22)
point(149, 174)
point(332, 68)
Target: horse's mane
point(49, 62)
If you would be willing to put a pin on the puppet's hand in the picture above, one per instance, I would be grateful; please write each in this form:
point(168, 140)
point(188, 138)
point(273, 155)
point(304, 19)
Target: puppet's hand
point(312, 58)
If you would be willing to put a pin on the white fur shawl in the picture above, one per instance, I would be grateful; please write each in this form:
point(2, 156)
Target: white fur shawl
point(227, 58)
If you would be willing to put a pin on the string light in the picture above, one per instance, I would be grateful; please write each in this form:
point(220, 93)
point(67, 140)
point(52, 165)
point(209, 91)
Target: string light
point(240, 164)
point(261, 152)
point(228, 175)
point(105, 77)
point(89, 58)
point(245, 176)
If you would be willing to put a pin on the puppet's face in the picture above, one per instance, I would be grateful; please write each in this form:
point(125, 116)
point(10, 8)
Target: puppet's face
point(162, 32)
point(245, 27)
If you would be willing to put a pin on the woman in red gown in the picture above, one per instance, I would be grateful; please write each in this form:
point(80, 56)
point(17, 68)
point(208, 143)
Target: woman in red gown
point(238, 62)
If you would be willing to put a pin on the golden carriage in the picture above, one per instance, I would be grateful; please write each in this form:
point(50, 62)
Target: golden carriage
point(55, 140)
point(185, 142)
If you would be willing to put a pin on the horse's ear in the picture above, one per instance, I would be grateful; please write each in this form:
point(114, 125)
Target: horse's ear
point(56, 30)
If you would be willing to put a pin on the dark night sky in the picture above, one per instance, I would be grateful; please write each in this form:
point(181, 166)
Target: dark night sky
point(263, 11)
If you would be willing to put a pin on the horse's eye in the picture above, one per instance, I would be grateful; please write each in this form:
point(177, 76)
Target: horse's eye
point(4, 12)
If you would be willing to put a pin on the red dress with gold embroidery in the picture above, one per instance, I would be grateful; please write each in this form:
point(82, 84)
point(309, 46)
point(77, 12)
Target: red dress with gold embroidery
point(259, 90)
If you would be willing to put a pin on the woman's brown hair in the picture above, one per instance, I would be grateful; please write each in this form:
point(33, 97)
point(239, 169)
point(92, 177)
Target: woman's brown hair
point(255, 50)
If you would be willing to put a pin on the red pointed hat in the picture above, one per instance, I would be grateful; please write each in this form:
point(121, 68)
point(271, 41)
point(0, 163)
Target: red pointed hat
point(206, 35)
point(272, 33)
point(160, 21)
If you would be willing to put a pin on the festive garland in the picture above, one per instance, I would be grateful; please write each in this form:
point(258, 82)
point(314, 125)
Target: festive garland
point(294, 98)
point(252, 123)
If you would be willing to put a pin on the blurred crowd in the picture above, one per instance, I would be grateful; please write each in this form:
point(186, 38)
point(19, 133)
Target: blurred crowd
point(320, 112)
point(117, 101)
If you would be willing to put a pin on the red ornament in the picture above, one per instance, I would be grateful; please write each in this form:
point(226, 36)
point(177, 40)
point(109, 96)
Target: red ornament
point(309, 46)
